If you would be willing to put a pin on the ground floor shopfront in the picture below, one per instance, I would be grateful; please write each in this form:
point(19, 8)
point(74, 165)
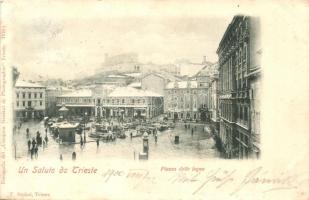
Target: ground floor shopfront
point(79, 111)
point(127, 112)
point(29, 114)
point(226, 137)
point(235, 140)
point(183, 115)
point(242, 145)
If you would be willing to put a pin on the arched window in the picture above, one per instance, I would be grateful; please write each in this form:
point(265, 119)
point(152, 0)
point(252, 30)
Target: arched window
point(245, 53)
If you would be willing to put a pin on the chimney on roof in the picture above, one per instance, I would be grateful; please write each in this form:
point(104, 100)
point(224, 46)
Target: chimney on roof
point(204, 59)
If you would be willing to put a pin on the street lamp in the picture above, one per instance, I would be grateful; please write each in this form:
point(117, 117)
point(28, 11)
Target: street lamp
point(104, 113)
point(122, 115)
point(145, 143)
point(85, 115)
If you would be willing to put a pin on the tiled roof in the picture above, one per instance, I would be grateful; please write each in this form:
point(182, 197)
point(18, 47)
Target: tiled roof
point(136, 74)
point(132, 92)
point(135, 84)
point(21, 83)
point(78, 93)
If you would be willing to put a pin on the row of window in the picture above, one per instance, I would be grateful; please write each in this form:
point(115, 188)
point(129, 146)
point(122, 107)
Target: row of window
point(183, 98)
point(242, 137)
point(239, 61)
point(181, 115)
point(225, 134)
point(243, 151)
point(241, 66)
point(226, 75)
point(30, 95)
point(107, 101)
point(29, 103)
point(226, 111)
point(181, 106)
point(121, 101)
point(183, 91)
point(75, 100)
point(255, 122)
point(236, 34)
point(243, 114)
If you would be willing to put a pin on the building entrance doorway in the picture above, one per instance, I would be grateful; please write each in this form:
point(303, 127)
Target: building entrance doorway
point(138, 113)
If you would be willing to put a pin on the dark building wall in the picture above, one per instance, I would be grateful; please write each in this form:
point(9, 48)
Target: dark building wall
point(235, 54)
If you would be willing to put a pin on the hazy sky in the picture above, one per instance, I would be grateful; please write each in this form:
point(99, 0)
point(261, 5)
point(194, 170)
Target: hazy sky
point(73, 38)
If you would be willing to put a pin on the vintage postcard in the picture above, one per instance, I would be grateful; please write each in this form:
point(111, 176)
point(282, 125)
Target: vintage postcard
point(154, 100)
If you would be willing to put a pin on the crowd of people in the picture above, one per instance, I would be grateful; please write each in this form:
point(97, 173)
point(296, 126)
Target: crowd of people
point(35, 143)
point(35, 140)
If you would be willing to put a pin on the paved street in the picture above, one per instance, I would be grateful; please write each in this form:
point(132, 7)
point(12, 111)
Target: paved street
point(200, 145)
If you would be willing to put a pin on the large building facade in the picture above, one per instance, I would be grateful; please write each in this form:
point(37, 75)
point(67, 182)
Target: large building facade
point(254, 77)
point(154, 82)
point(79, 103)
point(184, 100)
point(129, 103)
point(29, 100)
point(208, 79)
point(213, 101)
point(51, 99)
point(235, 50)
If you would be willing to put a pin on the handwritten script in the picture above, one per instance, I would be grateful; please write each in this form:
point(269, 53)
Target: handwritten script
point(227, 180)
point(196, 180)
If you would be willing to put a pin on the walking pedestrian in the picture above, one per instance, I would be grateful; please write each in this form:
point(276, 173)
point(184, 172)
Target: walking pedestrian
point(44, 144)
point(74, 156)
point(192, 131)
point(38, 139)
point(81, 142)
point(98, 143)
point(61, 157)
point(32, 152)
point(46, 139)
point(29, 144)
point(131, 135)
point(156, 138)
point(46, 131)
point(33, 143)
point(36, 152)
point(27, 131)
